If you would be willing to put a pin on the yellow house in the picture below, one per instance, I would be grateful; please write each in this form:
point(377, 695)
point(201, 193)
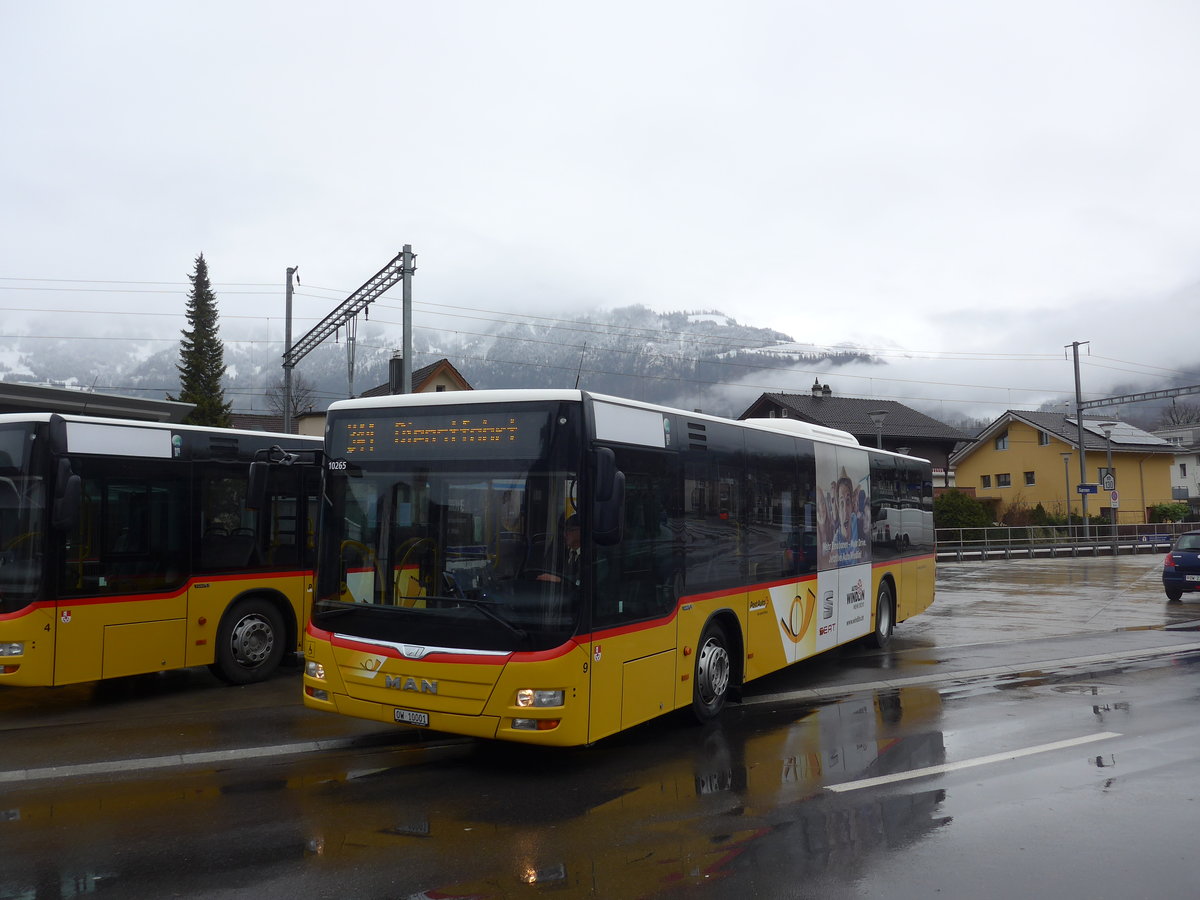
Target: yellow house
point(1026, 458)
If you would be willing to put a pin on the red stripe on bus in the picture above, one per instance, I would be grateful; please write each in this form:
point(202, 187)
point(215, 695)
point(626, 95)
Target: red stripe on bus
point(257, 579)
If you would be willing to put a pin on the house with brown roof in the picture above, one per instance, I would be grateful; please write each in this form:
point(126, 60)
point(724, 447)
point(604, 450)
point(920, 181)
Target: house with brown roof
point(435, 377)
point(875, 423)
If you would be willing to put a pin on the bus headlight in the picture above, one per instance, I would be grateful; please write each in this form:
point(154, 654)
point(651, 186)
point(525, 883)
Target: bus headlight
point(528, 697)
point(314, 670)
point(13, 648)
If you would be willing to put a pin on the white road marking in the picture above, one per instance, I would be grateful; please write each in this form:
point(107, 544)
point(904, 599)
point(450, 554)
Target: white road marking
point(971, 763)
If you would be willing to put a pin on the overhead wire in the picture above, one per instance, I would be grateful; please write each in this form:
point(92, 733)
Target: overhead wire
point(507, 317)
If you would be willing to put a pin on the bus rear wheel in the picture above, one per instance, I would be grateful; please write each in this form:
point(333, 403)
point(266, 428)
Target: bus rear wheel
point(885, 616)
point(710, 681)
point(250, 642)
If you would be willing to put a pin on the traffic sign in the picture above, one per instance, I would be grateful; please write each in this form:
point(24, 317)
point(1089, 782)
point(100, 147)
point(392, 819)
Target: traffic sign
point(1088, 488)
point(1110, 482)
point(1116, 499)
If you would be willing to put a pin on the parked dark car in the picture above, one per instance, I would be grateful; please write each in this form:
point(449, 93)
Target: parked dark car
point(1181, 567)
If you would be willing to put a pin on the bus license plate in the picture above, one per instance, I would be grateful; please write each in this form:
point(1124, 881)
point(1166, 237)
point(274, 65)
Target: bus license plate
point(408, 717)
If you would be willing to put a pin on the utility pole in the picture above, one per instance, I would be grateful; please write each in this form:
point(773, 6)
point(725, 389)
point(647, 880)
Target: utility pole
point(406, 269)
point(1083, 498)
point(399, 267)
point(287, 349)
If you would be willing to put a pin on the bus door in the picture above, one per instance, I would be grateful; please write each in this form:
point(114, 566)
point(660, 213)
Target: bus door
point(122, 606)
point(636, 586)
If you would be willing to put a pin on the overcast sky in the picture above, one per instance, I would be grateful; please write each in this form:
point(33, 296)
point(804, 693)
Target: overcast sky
point(977, 184)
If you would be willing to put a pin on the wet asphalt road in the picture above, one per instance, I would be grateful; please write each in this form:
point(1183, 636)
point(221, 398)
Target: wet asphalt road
point(1039, 720)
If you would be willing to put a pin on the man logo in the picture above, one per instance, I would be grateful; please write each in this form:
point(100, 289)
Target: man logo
point(408, 683)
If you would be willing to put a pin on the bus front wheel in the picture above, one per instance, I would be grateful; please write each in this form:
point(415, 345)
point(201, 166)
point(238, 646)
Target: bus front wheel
point(885, 617)
point(710, 681)
point(250, 642)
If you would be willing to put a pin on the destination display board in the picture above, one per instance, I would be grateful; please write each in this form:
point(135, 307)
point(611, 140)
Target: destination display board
point(437, 433)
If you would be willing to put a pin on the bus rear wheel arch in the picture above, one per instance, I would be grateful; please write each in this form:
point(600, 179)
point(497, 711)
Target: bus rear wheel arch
point(251, 641)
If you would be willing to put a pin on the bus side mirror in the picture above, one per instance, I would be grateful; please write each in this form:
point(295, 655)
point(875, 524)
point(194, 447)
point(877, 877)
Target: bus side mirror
point(57, 433)
point(608, 498)
point(256, 488)
point(68, 498)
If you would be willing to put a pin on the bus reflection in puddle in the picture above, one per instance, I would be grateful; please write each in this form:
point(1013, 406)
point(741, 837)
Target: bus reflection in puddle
point(671, 808)
point(728, 806)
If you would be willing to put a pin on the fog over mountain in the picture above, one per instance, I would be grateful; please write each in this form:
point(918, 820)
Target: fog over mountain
point(701, 359)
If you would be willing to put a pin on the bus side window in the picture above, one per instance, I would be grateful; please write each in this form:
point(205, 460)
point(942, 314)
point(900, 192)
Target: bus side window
point(779, 542)
point(227, 533)
point(131, 535)
point(640, 578)
point(714, 475)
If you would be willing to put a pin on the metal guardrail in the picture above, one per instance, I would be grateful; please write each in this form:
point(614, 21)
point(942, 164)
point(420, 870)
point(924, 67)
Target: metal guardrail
point(1003, 542)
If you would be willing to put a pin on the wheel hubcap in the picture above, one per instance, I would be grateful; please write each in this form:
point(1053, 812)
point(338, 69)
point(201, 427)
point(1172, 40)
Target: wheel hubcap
point(883, 615)
point(252, 641)
point(713, 671)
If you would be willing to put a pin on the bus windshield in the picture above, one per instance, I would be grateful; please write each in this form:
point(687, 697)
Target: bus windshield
point(473, 553)
point(22, 526)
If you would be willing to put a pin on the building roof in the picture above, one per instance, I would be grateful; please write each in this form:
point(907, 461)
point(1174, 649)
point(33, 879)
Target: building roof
point(853, 414)
point(1125, 438)
point(21, 397)
point(420, 377)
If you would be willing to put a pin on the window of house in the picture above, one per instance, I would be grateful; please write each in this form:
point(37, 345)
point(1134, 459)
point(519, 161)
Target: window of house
point(1030, 479)
point(1183, 470)
point(1043, 438)
point(1002, 441)
point(1004, 480)
point(985, 481)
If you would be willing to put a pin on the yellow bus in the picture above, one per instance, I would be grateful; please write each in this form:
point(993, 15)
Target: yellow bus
point(127, 547)
point(450, 594)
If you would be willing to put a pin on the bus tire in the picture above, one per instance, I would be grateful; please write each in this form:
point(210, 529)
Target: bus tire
point(710, 680)
point(250, 642)
point(885, 616)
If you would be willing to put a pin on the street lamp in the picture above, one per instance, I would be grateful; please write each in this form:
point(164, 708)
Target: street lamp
point(877, 417)
point(1067, 475)
point(1110, 483)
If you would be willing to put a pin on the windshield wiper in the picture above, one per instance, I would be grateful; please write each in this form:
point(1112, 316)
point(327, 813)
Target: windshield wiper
point(328, 607)
point(483, 607)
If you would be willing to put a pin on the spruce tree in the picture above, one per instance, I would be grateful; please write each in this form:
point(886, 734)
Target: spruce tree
point(202, 355)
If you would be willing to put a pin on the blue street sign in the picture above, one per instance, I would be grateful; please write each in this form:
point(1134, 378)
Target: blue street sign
point(1088, 488)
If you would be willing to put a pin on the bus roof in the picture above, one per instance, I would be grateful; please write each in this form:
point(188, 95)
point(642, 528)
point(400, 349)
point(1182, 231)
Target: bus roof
point(17, 418)
point(793, 427)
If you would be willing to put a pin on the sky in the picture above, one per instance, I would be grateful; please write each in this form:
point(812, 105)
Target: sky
point(965, 188)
